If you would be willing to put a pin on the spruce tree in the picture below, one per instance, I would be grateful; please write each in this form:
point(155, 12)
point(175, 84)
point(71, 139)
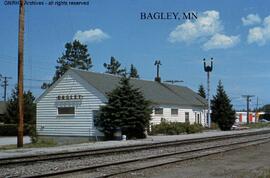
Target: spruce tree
point(126, 109)
point(114, 67)
point(11, 115)
point(133, 72)
point(222, 110)
point(75, 56)
point(201, 91)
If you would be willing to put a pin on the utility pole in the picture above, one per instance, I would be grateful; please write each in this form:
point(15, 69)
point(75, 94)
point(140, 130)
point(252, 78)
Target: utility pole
point(173, 81)
point(157, 63)
point(248, 100)
point(256, 114)
point(208, 69)
point(5, 84)
point(20, 74)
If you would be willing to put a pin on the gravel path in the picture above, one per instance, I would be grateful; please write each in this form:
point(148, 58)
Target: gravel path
point(250, 162)
point(52, 166)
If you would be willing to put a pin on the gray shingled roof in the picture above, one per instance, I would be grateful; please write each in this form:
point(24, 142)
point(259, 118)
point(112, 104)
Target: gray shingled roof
point(157, 93)
point(2, 107)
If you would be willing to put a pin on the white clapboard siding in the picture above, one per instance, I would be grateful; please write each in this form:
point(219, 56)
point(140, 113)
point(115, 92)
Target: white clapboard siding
point(80, 124)
point(156, 118)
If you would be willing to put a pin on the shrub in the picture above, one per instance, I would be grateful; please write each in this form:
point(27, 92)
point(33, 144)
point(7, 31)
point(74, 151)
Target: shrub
point(264, 116)
point(175, 128)
point(32, 133)
point(214, 125)
point(11, 130)
point(8, 130)
point(194, 128)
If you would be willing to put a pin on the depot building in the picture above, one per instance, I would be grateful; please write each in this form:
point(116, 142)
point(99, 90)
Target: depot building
point(67, 109)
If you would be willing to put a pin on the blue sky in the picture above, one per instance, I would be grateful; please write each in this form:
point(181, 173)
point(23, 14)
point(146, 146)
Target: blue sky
point(235, 33)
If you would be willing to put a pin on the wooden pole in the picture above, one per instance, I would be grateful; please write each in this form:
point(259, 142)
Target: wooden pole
point(20, 75)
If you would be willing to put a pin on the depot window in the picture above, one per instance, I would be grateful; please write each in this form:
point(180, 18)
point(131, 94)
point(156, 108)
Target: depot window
point(158, 111)
point(186, 117)
point(174, 112)
point(66, 110)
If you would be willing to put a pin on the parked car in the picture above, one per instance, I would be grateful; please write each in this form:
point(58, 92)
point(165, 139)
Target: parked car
point(264, 120)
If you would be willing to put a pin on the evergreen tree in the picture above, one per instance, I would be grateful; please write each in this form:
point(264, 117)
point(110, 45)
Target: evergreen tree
point(133, 72)
point(222, 109)
point(266, 108)
point(114, 67)
point(201, 91)
point(76, 56)
point(126, 109)
point(11, 115)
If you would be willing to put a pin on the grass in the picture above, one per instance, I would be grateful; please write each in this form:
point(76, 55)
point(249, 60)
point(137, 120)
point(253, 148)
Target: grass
point(39, 144)
point(265, 174)
point(258, 125)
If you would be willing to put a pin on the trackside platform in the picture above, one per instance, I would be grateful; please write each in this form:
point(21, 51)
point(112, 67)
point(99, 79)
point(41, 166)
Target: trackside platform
point(110, 144)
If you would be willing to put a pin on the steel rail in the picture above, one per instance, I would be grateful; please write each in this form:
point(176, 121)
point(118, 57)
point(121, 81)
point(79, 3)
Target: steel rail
point(221, 147)
point(120, 149)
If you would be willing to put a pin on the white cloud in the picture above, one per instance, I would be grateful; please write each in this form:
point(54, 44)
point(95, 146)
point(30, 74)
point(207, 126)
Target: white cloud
point(89, 36)
point(251, 19)
point(256, 35)
point(220, 41)
point(206, 25)
point(207, 28)
point(260, 34)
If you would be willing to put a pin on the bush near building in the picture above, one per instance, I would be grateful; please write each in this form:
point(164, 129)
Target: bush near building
point(258, 125)
point(264, 116)
point(11, 129)
point(175, 128)
point(127, 110)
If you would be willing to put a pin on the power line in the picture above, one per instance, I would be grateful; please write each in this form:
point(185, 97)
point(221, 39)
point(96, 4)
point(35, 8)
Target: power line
point(4, 85)
point(38, 80)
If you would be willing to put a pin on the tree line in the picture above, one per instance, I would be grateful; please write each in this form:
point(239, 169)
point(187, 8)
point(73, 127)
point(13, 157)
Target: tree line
point(76, 56)
point(132, 122)
point(114, 114)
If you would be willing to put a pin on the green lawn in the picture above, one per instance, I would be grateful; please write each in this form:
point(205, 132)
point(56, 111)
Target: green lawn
point(258, 125)
point(39, 144)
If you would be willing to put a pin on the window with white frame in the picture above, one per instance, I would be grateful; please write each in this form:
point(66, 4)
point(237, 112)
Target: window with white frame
point(174, 112)
point(197, 118)
point(66, 110)
point(158, 111)
point(186, 117)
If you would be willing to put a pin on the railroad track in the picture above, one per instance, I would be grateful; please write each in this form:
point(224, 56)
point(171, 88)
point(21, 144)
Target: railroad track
point(202, 148)
point(119, 149)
